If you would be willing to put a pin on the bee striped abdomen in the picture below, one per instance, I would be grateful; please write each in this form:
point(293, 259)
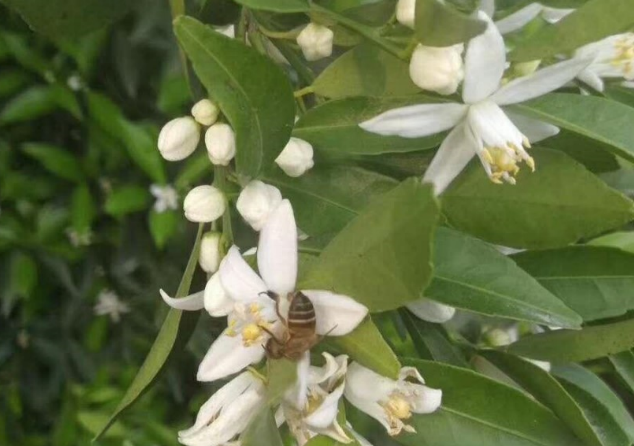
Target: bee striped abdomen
point(301, 313)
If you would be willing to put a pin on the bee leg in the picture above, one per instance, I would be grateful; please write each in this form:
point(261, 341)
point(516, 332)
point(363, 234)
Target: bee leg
point(321, 337)
point(279, 314)
point(275, 339)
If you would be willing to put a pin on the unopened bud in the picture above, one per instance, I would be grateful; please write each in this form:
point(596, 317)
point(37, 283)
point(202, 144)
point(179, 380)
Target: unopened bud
point(205, 112)
point(221, 143)
point(204, 204)
point(296, 158)
point(178, 138)
point(256, 202)
point(209, 257)
point(405, 12)
point(437, 69)
point(315, 41)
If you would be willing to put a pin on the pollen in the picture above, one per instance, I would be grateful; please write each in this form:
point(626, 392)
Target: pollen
point(251, 333)
point(398, 407)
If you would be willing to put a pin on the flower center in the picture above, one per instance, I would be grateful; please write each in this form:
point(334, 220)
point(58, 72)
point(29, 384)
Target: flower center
point(624, 55)
point(251, 334)
point(247, 320)
point(398, 407)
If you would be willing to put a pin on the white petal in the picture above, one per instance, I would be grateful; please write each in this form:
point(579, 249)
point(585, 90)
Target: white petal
point(217, 301)
point(592, 79)
point(431, 311)
point(193, 302)
point(336, 314)
point(426, 400)
point(553, 15)
point(452, 157)
point(277, 250)
point(416, 121)
point(238, 279)
point(227, 356)
point(519, 18)
point(627, 84)
point(534, 129)
point(488, 7)
point(485, 61)
point(540, 82)
point(357, 436)
point(359, 379)
point(303, 372)
point(326, 414)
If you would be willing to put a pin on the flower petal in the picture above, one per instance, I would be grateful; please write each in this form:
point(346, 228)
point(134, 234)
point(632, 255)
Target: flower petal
point(359, 379)
point(426, 400)
point(217, 301)
point(553, 15)
point(336, 314)
point(540, 82)
point(238, 279)
point(534, 129)
point(452, 157)
point(193, 302)
point(277, 250)
point(303, 373)
point(519, 18)
point(416, 121)
point(431, 311)
point(485, 61)
point(227, 356)
point(592, 79)
point(326, 413)
point(488, 7)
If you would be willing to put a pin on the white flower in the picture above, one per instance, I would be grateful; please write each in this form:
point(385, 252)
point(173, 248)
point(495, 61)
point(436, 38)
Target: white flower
point(252, 314)
point(221, 143)
point(205, 112)
point(166, 197)
point(406, 12)
point(178, 138)
point(520, 18)
point(500, 337)
point(613, 57)
point(315, 41)
point(437, 69)
point(79, 238)
point(431, 311)
point(311, 407)
point(209, 257)
point(296, 158)
point(227, 413)
point(109, 304)
point(227, 30)
point(204, 204)
point(480, 126)
point(256, 202)
point(388, 401)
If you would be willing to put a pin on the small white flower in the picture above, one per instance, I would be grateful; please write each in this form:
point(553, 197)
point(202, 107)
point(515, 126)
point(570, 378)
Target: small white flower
point(221, 143)
point(227, 413)
point(296, 158)
point(613, 58)
point(388, 401)
point(406, 12)
point(256, 202)
point(205, 112)
point(166, 197)
point(204, 204)
point(209, 258)
point(522, 17)
point(431, 311)
point(179, 138)
point(75, 82)
point(109, 304)
point(79, 238)
point(480, 125)
point(315, 41)
point(437, 69)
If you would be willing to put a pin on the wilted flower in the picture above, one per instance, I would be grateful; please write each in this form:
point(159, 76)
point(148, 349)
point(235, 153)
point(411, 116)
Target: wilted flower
point(179, 138)
point(613, 58)
point(256, 202)
point(431, 311)
point(296, 158)
point(209, 258)
point(109, 304)
point(437, 69)
point(166, 197)
point(204, 204)
point(315, 41)
point(205, 112)
point(406, 12)
point(221, 143)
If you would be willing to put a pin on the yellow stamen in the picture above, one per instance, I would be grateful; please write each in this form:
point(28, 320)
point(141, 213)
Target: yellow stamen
point(398, 407)
point(251, 334)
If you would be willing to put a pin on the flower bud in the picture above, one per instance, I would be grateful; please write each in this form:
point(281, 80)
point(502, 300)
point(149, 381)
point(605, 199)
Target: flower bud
point(437, 69)
point(209, 257)
point(204, 204)
point(256, 202)
point(205, 112)
point(178, 138)
point(405, 12)
point(296, 158)
point(315, 41)
point(221, 143)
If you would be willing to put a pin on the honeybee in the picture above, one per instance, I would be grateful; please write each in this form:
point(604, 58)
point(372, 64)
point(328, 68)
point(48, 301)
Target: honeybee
point(300, 333)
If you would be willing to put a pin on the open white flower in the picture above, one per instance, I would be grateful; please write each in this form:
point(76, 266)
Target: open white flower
point(431, 311)
point(613, 58)
point(388, 401)
point(109, 304)
point(227, 413)
point(166, 197)
point(480, 125)
point(311, 407)
point(522, 17)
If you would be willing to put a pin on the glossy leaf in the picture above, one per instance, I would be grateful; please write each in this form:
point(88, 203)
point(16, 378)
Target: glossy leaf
point(624, 365)
point(281, 6)
point(252, 92)
point(30, 104)
point(281, 375)
point(163, 225)
point(83, 209)
point(544, 209)
point(620, 240)
point(262, 430)
point(56, 160)
point(126, 200)
point(594, 281)
point(438, 24)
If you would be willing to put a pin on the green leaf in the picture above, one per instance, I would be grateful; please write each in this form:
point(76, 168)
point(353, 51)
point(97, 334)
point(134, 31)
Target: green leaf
point(12, 80)
point(561, 346)
point(593, 21)
point(262, 430)
point(596, 118)
point(549, 392)
point(281, 6)
point(624, 365)
point(544, 209)
point(23, 275)
point(438, 24)
point(620, 240)
point(83, 210)
point(252, 92)
point(333, 129)
point(33, 103)
point(365, 70)
point(385, 251)
point(472, 275)
point(175, 331)
point(163, 226)
point(281, 375)
point(478, 411)
point(56, 160)
point(594, 281)
point(126, 200)
point(366, 346)
point(69, 18)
